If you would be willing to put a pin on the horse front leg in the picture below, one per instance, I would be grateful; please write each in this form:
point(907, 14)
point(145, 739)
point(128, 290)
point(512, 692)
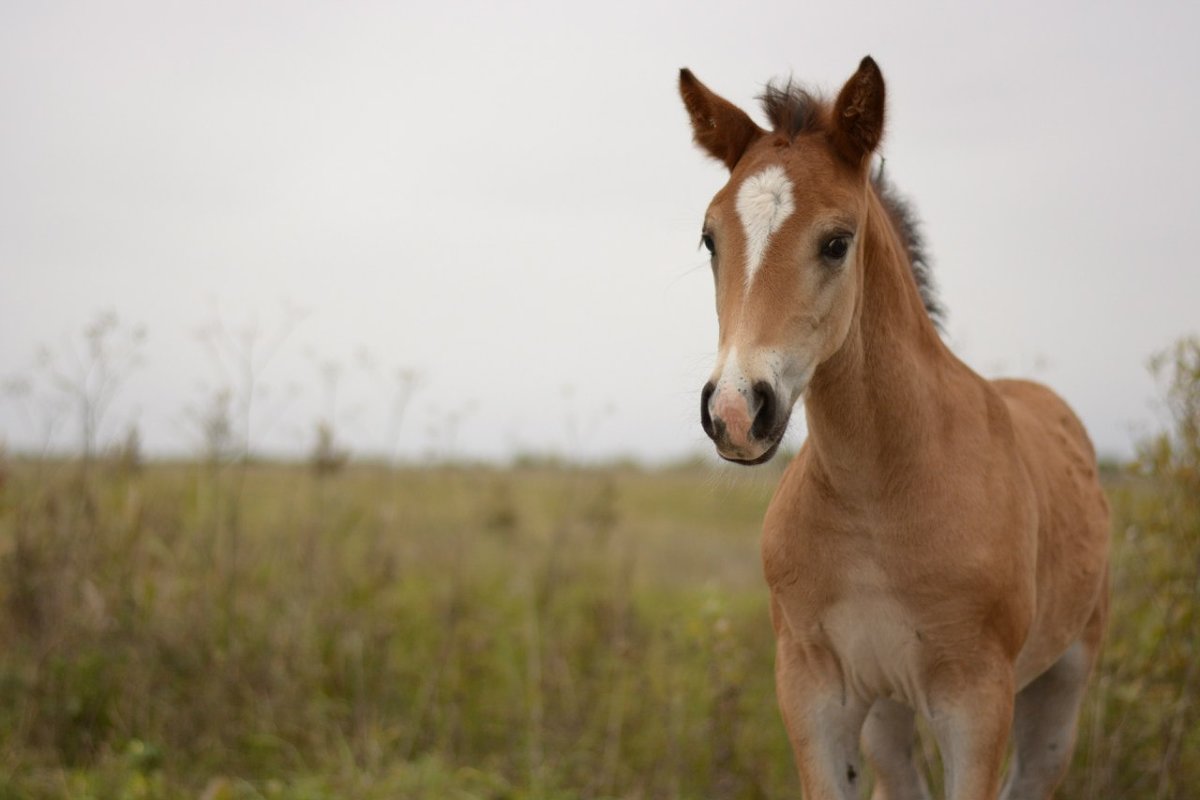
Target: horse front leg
point(823, 721)
point(971, 714)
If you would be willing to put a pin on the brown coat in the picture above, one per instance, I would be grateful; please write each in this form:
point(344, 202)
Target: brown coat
point(940, 543)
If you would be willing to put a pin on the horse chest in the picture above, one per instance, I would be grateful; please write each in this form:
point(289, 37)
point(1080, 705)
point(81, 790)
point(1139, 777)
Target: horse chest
point(873, 636)
point(876, 643)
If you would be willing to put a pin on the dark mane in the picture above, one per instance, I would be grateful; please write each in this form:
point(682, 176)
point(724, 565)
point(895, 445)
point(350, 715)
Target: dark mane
point(793, 110)
point(907, 225)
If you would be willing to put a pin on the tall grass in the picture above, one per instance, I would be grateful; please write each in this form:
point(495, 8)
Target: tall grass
point(379, 632)
point(1141, 728)
point(230, 629)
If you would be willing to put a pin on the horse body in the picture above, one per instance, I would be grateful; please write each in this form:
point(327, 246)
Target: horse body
point(939, 544)
point(1073, 525)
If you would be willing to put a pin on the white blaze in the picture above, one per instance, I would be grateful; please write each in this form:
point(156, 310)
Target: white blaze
point(764, 201)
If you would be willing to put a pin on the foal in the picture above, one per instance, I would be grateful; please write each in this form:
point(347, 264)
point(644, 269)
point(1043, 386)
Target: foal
point(940, 543)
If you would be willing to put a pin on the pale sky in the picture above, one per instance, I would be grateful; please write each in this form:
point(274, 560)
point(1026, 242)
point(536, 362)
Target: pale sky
point(505, 199)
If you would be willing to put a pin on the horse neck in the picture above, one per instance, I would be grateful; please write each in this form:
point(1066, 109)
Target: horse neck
point(872, 406)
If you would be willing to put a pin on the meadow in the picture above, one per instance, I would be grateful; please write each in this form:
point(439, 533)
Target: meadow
point(227, 628)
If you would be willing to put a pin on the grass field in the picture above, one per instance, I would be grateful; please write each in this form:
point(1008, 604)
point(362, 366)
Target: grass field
point(265, 631)
point(226, 629)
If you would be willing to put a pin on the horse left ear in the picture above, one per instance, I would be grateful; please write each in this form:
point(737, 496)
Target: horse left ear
point(858, 114)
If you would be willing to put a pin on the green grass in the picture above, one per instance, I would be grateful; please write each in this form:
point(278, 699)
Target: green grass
point(194, 631)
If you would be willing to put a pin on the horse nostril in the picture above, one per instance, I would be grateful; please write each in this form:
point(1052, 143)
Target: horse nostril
point(705, 417)
point(764, 418)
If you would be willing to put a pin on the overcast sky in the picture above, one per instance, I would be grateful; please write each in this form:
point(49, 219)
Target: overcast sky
point(504, 199)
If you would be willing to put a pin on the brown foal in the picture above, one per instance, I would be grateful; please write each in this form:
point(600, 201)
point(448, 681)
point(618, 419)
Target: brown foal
point(940, 543)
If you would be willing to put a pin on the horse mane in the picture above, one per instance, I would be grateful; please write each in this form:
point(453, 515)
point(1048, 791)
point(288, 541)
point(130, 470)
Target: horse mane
point(905, 220)
point(793, 110)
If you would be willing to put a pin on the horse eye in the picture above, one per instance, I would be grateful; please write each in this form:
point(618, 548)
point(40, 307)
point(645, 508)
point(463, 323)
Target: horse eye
point(709, 244)
point(835, 248)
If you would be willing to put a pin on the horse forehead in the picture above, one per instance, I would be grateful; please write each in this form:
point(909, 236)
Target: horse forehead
point(767, 186)
point(764, 200)
point(789, 186)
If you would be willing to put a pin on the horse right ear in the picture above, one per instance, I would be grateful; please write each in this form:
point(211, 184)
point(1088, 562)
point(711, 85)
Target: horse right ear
point(722, 129)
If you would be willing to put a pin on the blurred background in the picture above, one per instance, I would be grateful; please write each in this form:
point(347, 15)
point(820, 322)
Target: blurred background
point(502, 203)
point(350, 356)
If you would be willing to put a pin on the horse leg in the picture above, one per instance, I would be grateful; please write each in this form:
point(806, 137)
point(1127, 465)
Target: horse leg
point(1044, 725)
point(1046, 715)
point(887, 738)
point(823, 724)
point(971, 717)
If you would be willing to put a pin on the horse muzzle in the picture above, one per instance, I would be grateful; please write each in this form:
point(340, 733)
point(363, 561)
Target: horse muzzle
point(746, 424)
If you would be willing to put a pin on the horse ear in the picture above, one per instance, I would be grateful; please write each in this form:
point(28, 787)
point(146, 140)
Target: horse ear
point(858, 114)
point(718, 126)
